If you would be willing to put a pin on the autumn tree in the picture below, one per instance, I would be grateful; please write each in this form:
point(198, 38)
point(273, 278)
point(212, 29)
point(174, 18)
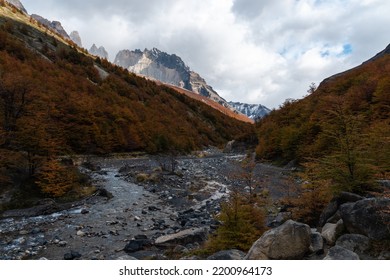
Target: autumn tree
point(243, 222)
point(53, 179)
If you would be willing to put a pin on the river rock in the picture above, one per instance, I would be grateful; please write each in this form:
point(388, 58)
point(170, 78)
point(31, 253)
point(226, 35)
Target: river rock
point(340, 253)
point(370, 217)
point(330, 232)
point(288, 241)
point(72, 255)
point(228, 255)
point(182, 237)
point(137, 245)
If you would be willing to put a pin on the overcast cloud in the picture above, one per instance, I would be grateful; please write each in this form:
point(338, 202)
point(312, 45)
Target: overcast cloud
point(254, 51)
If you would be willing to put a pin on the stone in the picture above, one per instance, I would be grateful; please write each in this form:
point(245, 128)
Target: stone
point(331, 209)
point(369, 217)
point(316, 243)
point(84, 211)
point(62, 243)
point(354, 242)
point(330, 232)
point(182, 237)
point(137, 245)
point(228, 255)
point(126, 258)
point(80, 233)
point(289, 241)
point(340, 253)
point(72, 255)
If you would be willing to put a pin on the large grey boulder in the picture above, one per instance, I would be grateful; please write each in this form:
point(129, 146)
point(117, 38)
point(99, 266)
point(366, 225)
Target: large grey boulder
point(228, 255)
point(370, 217)
point(330, 232)
point(289, 241)
point(184, 237)
point(340, 253)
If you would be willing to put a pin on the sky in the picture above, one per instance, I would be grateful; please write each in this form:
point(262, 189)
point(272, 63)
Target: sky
point(252, 51)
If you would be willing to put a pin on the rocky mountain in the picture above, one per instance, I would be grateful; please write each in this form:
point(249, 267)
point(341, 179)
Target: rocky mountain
point(253, 111)
point(53, 25)
point(100, 52)
point(75, 37)
point(18, 5)
point(167, 68)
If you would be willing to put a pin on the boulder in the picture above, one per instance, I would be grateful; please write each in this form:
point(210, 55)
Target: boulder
point(330, 232)
point(340, 253)
point(370, 217)
point(354, 242)
point(184, 237)
point(316, 243)
point(228, 255)
point(137, 245)
point(289, 241)
point(331, 209)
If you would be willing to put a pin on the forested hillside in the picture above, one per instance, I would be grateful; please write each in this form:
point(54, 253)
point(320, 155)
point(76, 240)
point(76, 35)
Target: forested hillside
point(342, 128)
point(55, 100)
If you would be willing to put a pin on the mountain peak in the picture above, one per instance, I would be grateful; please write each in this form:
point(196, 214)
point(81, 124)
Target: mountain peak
point(18, 5)
point(75, 37)
point(167, 68)
point(56, 26)
point(100, 52)
point(253, 111)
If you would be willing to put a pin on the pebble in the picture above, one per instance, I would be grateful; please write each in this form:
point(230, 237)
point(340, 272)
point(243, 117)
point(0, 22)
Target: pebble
point(80, 233)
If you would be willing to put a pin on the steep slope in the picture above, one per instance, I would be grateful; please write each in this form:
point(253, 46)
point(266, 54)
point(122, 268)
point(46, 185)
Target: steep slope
point(61, 103)
point(344, 125)
point(18, 5)
point(54, 25)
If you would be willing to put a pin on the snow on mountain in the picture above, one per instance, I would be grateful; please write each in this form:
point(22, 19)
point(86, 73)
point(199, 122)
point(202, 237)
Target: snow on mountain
point(253, 111)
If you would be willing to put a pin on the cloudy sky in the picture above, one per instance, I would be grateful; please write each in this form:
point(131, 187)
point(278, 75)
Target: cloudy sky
point(254, 51)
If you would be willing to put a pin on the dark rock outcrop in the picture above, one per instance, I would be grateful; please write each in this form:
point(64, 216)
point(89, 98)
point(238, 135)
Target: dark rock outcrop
point(370, 217)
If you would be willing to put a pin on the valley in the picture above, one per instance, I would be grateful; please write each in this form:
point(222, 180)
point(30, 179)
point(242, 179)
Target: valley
point(100, 227)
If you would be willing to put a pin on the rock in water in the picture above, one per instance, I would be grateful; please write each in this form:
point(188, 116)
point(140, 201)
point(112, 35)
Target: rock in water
point(289, 241)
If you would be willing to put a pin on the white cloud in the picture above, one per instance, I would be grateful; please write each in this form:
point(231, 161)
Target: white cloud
point(249, 50)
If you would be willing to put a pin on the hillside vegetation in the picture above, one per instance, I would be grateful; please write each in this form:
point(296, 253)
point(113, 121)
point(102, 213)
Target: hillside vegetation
point(340, 131)
point(55, 100)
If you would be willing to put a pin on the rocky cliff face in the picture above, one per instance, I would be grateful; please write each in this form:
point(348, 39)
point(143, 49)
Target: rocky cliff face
point(168, 69)
point(253, 111)
point(100, 52)
point(75, 37)
point(54, 25)
point(18, 5)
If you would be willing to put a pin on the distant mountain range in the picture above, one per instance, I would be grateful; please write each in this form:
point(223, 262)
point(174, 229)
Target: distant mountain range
point(253, 111)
